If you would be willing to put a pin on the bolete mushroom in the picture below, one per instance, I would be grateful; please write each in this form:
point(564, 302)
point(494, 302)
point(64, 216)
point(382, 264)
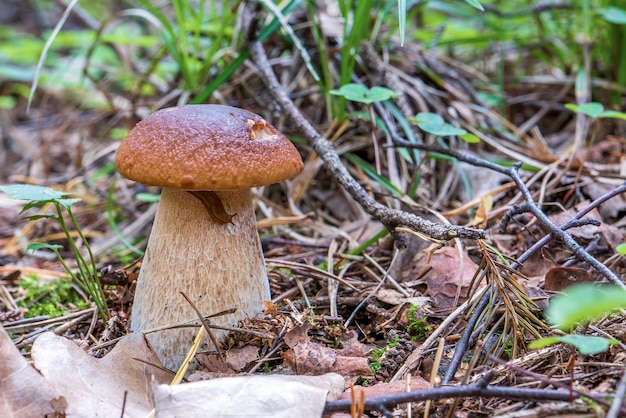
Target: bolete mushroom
point(204, 240)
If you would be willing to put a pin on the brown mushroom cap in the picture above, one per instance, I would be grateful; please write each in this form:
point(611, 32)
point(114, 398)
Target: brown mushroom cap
point(206, 147)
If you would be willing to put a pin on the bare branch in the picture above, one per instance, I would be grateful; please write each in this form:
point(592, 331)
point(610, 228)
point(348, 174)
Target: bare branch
point(391, 218)
point(478, 389)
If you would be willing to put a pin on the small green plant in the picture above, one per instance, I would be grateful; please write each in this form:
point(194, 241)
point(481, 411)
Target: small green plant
point(417, 327)
point(595, 110)
point(359, 93)
point(621, 248)
point(378, 353)
point(266, 367)
point(434, 124)
point(579, 305)
point(375, 366)
point(508, 350)
point(87, 276)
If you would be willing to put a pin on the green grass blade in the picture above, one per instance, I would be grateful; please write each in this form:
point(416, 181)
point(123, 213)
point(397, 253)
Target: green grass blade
point(402, 19)
point(46, 48)
point(369, 170)
point(230, 69)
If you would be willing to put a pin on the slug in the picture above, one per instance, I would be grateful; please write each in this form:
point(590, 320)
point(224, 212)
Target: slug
point(214, 206)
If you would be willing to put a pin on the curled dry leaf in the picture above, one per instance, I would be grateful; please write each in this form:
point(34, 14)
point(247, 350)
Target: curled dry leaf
point(560, 278)
point(90, 384)
point(249, 396)
point(309, 357)
point(212, 366)
point(239, 358)
point(23, 391)
point(306, 356)
point(446, 276)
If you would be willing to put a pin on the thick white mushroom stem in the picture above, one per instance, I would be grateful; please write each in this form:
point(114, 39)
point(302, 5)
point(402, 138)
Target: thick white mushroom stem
point(218, 266)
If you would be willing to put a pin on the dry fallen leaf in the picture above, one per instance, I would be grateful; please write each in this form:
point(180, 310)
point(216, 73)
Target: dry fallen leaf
point(23, 391)
point(352, 368)
point(274, 396)
point(393, 297)
point(559, 278)
point(306, 356)
point(90, 384)
point(609, 235)
point(445, 277)
point(211, 365)
point(388, 389)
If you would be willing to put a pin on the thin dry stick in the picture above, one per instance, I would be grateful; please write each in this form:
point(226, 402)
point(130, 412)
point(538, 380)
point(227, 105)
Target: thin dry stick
point(565, 387)
point(616, 407)
point(434, 372)
point(326, 151)
point(205, 324)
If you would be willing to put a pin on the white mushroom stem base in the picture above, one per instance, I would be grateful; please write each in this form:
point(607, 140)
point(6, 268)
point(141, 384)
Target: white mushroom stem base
point(218, 266)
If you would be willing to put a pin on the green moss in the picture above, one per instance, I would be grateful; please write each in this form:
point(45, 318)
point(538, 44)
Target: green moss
point(53, 298)
point(417, 327)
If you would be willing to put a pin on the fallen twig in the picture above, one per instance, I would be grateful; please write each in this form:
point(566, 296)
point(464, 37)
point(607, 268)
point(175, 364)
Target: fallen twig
point(391, 218)
point(480, 389)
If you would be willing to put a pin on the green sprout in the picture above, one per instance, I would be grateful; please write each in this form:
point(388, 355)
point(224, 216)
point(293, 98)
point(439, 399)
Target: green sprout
point(87, 276)
point(434, 124)
point(361, 94)
point(595, 110)
point(378, 353)
point(417, 328)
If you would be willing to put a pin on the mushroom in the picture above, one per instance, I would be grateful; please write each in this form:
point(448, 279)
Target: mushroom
point(204, 240)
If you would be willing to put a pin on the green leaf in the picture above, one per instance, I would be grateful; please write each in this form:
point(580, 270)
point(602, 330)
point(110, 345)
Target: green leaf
point(584, 303)
point(621, 248)
point(39, 194)
point(39, 245)
point(7, 102)
point(470, 138)
point(613, 114)
point(402, 19)
point(380, 94)
point(42, 216)
point(436, 125)
point(585, 344)
point(475, 4)
point(490, 99)
point(31, 192)
point(428, 118)
point(613, 15)
point(592, 109)
point(361, 94)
